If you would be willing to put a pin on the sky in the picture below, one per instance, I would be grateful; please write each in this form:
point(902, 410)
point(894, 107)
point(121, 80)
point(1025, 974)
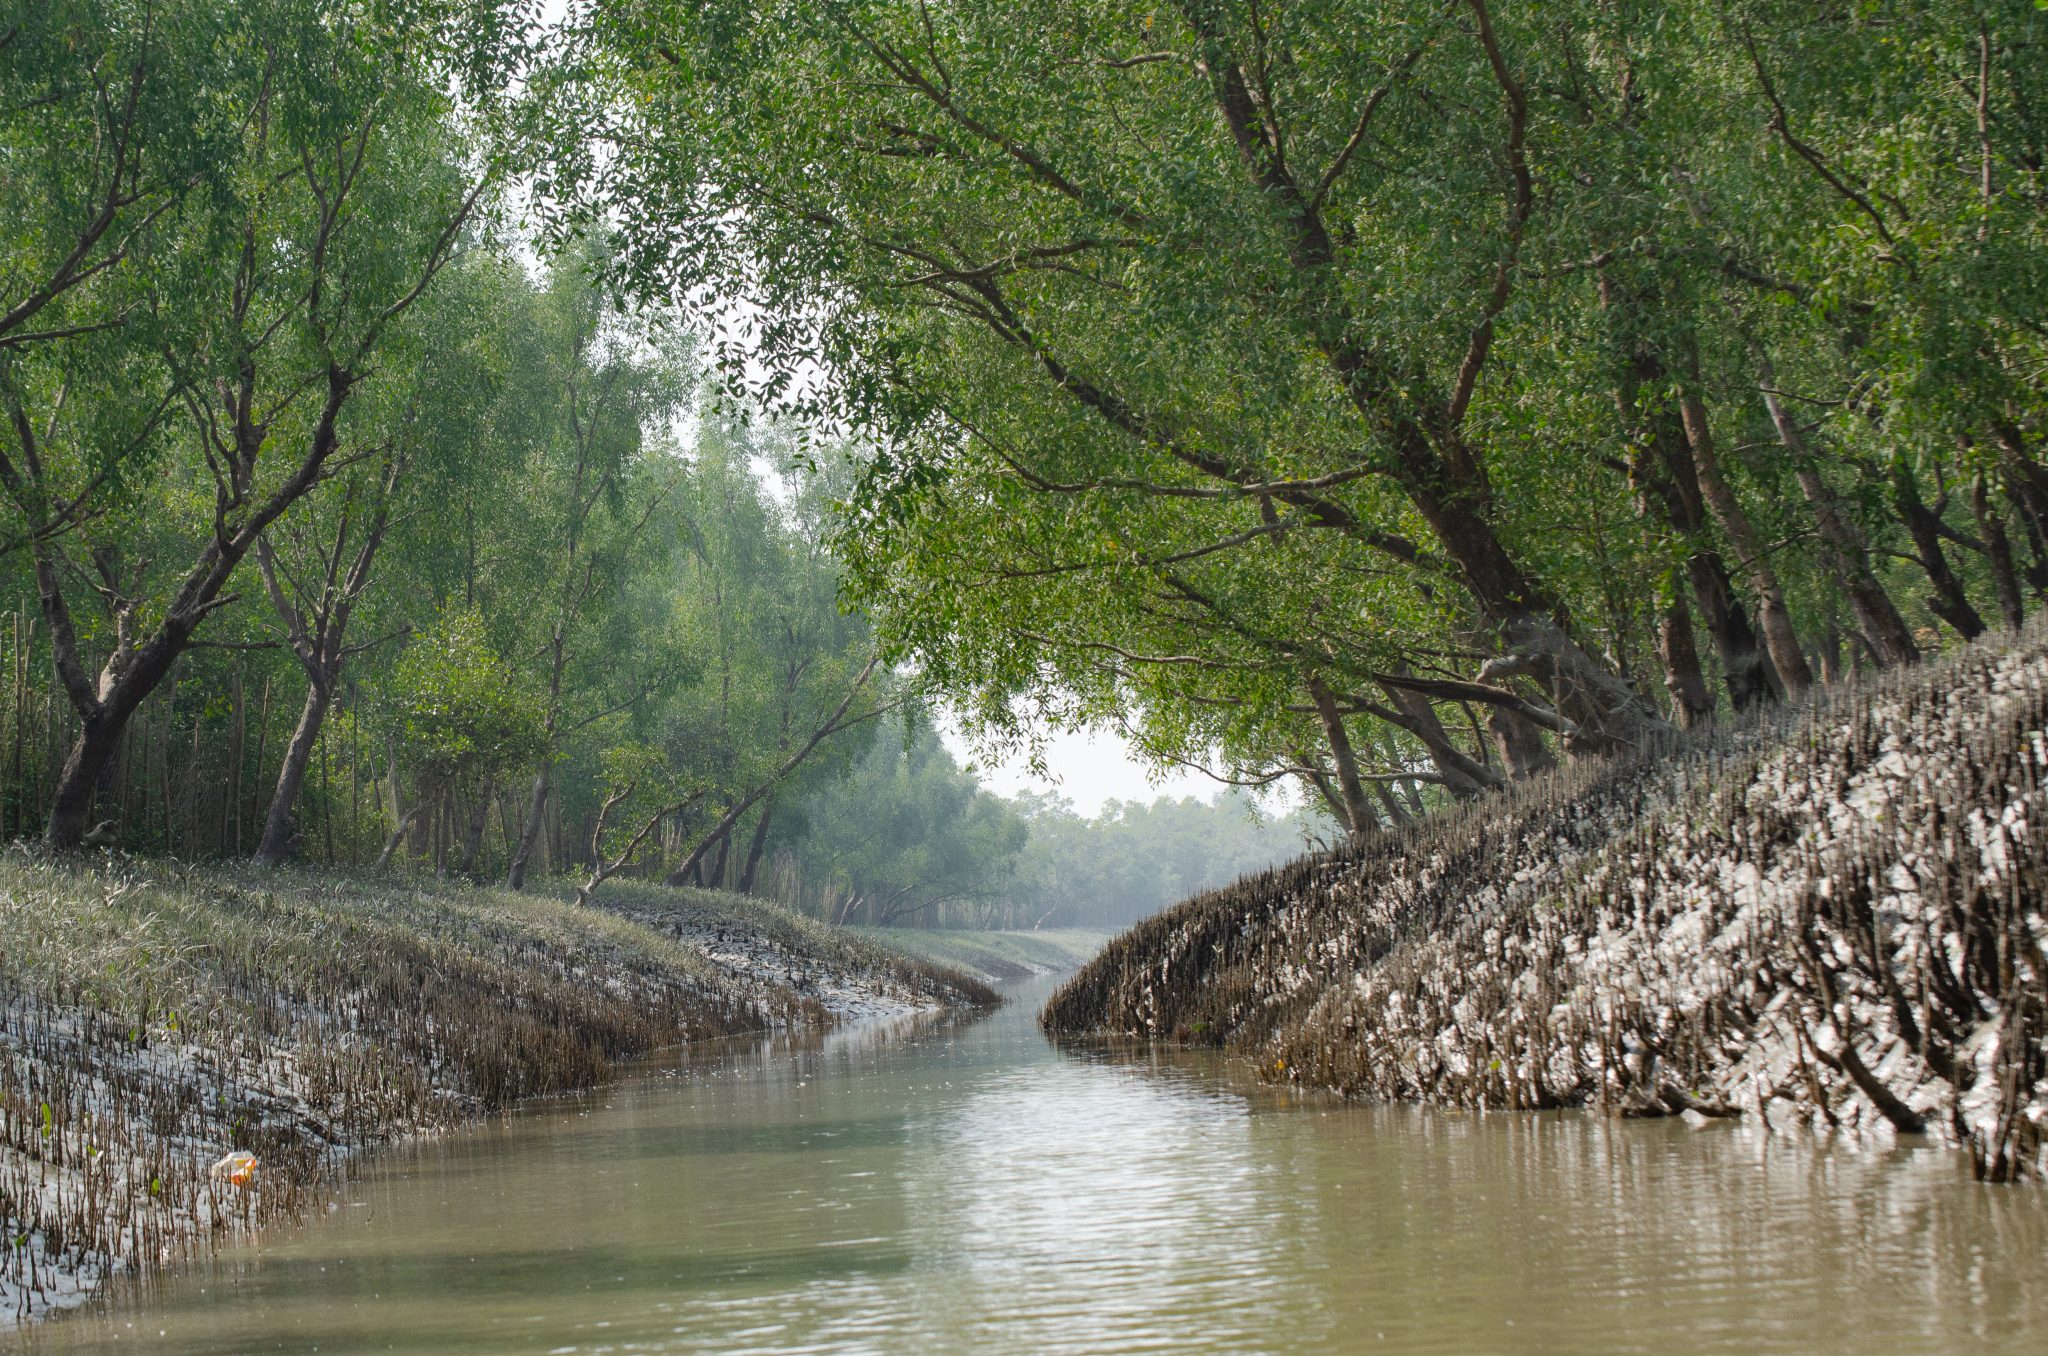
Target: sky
point(1088, 767)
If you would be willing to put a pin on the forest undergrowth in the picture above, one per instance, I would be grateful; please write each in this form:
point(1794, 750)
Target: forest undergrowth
point(157, 1017)
point(1833, 919)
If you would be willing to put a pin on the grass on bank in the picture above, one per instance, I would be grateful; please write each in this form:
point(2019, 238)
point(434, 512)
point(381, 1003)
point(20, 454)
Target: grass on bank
point(156, 1015)
point(756, 937)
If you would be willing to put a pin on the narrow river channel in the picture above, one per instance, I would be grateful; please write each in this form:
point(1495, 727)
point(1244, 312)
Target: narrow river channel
point(939, 1185)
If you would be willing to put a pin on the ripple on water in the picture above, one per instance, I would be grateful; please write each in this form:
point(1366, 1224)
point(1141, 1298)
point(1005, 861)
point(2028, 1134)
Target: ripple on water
point(938, 1187)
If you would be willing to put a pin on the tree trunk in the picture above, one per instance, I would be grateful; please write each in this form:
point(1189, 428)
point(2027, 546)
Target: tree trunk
point(231, 801)
point(1774, 616)
point(473, 832)
point(837, 721)
point(1843, 550)
point(1949, 602)
point(1667, 481)
point(1692, 705)
point(2026, 483)
point(1463, 776)
point(397, 836)
point(715, 877)
point(1609, 715)
point(1746, 671)
point(1998, 550)
point(1523, 750)
point(536, 816)
point(1846, 557)
point(1357, 813)
point(279, 843)
point(437, 829)
point(128, 677)
point(759, 842)
point(71, 807)
point(169, 712)
point(1318, 781)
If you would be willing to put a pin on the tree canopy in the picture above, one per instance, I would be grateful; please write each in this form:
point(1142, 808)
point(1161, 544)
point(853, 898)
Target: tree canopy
point(1376, 393)
point(428, 435)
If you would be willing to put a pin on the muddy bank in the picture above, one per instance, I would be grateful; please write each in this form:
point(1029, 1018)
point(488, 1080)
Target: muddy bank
point(846, 972)
point(155, 1018)
point(995, 957)
point(1831, 921)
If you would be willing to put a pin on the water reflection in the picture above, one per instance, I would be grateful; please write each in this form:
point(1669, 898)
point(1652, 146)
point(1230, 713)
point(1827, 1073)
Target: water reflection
point(940, 1185)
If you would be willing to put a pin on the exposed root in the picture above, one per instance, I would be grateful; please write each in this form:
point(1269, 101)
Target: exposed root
point(1838, 916)
point(156, 1019)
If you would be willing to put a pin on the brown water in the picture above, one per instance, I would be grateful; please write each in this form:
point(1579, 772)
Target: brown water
point(941, 1186)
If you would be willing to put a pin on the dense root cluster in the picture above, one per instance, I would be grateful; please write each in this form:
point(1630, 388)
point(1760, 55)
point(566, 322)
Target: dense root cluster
point(1835, 919)
point(155, 1017)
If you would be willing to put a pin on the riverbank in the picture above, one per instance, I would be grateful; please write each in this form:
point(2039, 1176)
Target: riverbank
point(995, 957)
point(1833, 920)
point(156, 1017)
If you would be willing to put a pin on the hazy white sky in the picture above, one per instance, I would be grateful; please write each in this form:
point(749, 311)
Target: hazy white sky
point(1088, 768)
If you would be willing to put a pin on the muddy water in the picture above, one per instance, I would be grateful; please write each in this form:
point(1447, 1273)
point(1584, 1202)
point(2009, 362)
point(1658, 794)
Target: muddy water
point(942, 1186)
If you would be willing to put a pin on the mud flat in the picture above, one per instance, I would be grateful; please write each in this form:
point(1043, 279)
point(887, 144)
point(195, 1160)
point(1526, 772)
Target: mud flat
point(995, 957)
point(1833, 921)
point(156, 1018)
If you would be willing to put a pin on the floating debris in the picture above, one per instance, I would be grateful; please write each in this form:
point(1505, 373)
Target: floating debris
point(236, 1169)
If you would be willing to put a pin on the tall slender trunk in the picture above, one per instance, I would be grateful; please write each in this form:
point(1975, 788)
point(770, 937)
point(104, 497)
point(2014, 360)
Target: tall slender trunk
point(1843, 550)
point(2005, 579)
point(1357, 813)
point(473, 832)
point(2026, 483)
point(1924, 525)
point(537, 803)
point(1660, 468)
point(262, 742)
point(317, 624)
point(1847, 558)
point(231, 801)
point(1827, 654)
point(163, 754)
point(1317, 780)
point(714, 878)
point(279, 843)
point(759, 842)
point(1772, 613)
point(1692, 705)
point(536, 816)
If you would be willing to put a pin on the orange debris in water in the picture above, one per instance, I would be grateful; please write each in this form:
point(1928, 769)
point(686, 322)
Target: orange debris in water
point(238, 1168)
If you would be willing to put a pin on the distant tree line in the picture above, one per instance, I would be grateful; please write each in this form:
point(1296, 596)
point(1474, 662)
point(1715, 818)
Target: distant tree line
point(1134, 858)
point(334, 528)
point(904, 836)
